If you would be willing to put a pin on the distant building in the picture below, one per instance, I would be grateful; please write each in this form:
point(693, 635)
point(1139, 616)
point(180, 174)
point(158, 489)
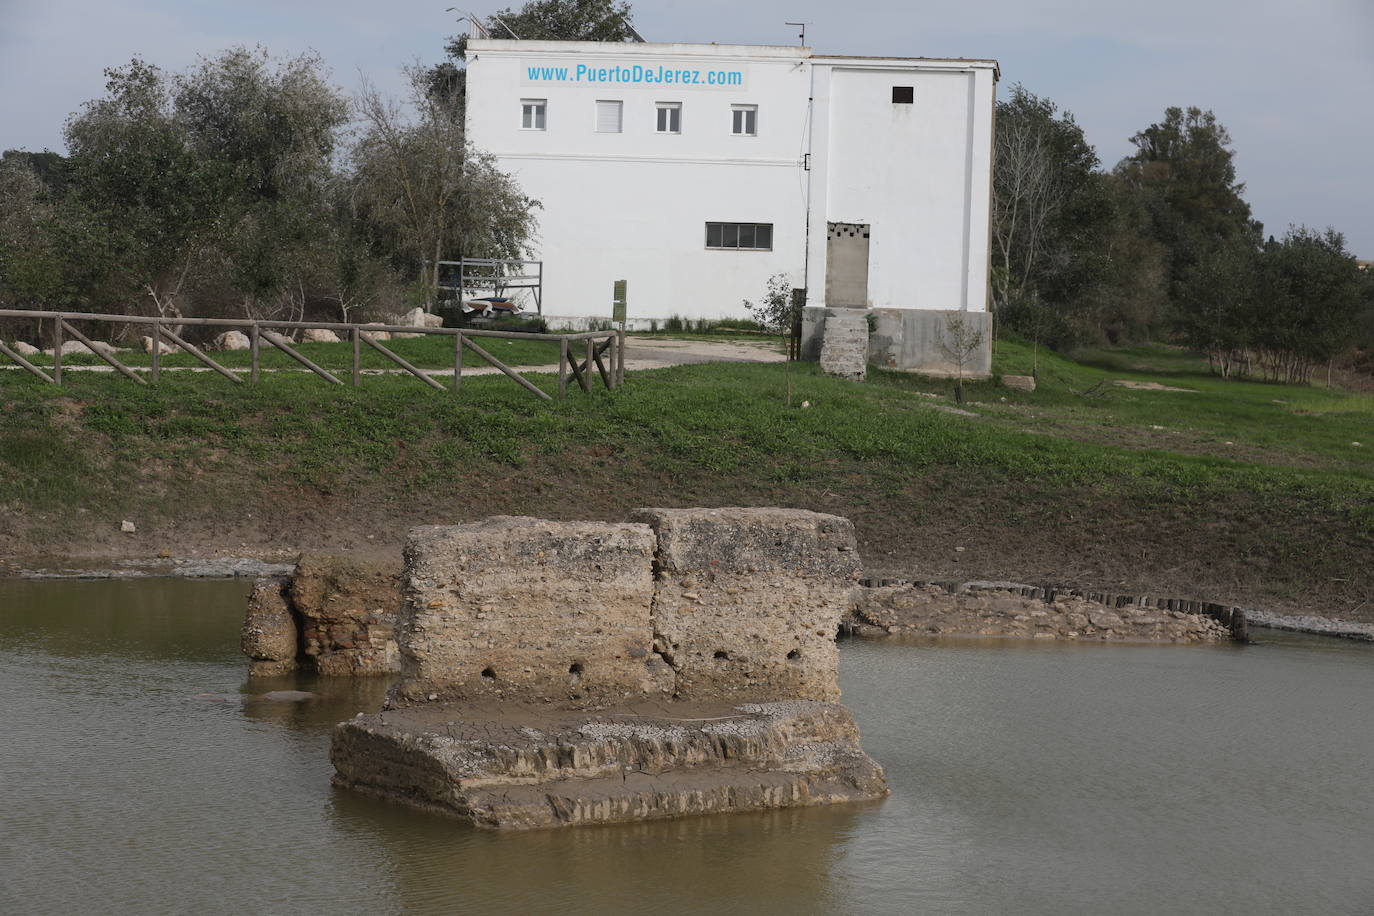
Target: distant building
point(697, 172)
point(1363, 265)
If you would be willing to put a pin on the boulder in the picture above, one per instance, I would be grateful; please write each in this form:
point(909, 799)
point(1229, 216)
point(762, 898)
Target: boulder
point(377, 335)
point(269, 637)
point(26, 349)
point(233, 340)
point(319, 335)
point(419, 318)
point(166, 347)
point(1019, 382)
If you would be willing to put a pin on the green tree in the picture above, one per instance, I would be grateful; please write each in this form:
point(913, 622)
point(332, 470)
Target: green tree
point(133, 166)
point(1217, 304)
point(1183, 176)
point(1310, 299)
point(537, 20)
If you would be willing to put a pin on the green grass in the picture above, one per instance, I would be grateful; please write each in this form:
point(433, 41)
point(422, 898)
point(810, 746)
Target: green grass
point(1290, 493)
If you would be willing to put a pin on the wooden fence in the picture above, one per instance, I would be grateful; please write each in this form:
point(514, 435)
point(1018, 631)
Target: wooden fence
point(578, 353)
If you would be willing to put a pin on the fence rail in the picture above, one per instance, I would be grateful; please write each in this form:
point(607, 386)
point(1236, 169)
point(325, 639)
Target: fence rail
point(598, 348)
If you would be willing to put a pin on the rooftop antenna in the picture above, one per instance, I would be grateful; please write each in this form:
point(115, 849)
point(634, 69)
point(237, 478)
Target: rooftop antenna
point(802, 36)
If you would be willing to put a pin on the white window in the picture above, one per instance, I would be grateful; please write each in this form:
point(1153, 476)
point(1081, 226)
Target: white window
point(744, 120)
point(609, 116)
point(670, 117)
point(532, 113)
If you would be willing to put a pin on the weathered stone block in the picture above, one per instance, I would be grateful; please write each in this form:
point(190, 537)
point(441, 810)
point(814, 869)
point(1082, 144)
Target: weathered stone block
point(525, 608)
point(844, 347)
point(516, 767)
point(1019, 382)
point(747, 601)
point(348, 612)
point(269, 630)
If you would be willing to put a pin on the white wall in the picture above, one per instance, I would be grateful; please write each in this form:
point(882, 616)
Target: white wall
point(914, 172)
point(634, 205)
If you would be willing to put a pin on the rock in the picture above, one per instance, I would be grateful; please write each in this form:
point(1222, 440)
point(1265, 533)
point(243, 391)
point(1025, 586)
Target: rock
point(166, 347)
point(1104, 620)
point(1019, 382)
point(286, 696)
point(378, 335)
point(26, 349)
point(349, 609)
point(575, 600)
point(319, 335)
point(419, 318)
point(127, 527)
point(521, 768)
point(76, 347)
point(1005, 609)
point(233, 340)
point(550, 677)
point(269, 636)
point(774, 584)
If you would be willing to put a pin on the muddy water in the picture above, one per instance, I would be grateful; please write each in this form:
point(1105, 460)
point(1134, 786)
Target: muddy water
point(1026, 779)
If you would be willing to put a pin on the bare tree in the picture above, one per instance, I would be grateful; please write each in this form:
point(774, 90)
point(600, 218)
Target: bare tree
point(1027, 196)
point(411, 162)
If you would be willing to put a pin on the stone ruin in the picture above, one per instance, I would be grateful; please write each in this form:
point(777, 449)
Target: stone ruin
point(557, 673)
point(333, 616)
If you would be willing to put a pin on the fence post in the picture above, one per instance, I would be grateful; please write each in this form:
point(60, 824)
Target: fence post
point(587, 370)
point(157, 350)
point(57, 349)
point(458, 359)
point(562, 368)
point(620, 356)
point(253, 348)
point(357, 356)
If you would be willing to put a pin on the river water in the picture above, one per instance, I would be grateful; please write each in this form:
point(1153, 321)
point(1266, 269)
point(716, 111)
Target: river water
point(1026, 778)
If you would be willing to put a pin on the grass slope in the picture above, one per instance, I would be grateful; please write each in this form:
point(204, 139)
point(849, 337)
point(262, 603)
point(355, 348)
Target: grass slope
point(1231, 491)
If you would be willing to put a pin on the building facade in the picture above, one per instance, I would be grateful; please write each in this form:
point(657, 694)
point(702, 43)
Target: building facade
point(697, 172)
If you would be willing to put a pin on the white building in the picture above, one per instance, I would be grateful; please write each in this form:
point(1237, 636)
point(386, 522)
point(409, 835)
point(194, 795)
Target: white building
point(697, 172)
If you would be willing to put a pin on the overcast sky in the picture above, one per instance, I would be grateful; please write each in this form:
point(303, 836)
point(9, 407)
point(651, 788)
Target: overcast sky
point(1293, 81)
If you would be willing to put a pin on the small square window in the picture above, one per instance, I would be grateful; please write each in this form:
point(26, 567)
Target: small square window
point(669, 117)
point(903, 95)
point(609, 117)
point(532, 114)
point(744, 120)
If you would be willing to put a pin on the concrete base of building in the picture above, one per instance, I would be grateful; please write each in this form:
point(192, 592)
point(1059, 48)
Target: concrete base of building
point(925, 341)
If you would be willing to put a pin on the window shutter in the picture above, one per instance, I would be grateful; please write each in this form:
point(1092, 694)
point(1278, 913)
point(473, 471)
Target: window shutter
point(608, 117)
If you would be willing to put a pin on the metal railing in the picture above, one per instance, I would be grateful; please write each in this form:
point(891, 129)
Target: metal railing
point(593, 348)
